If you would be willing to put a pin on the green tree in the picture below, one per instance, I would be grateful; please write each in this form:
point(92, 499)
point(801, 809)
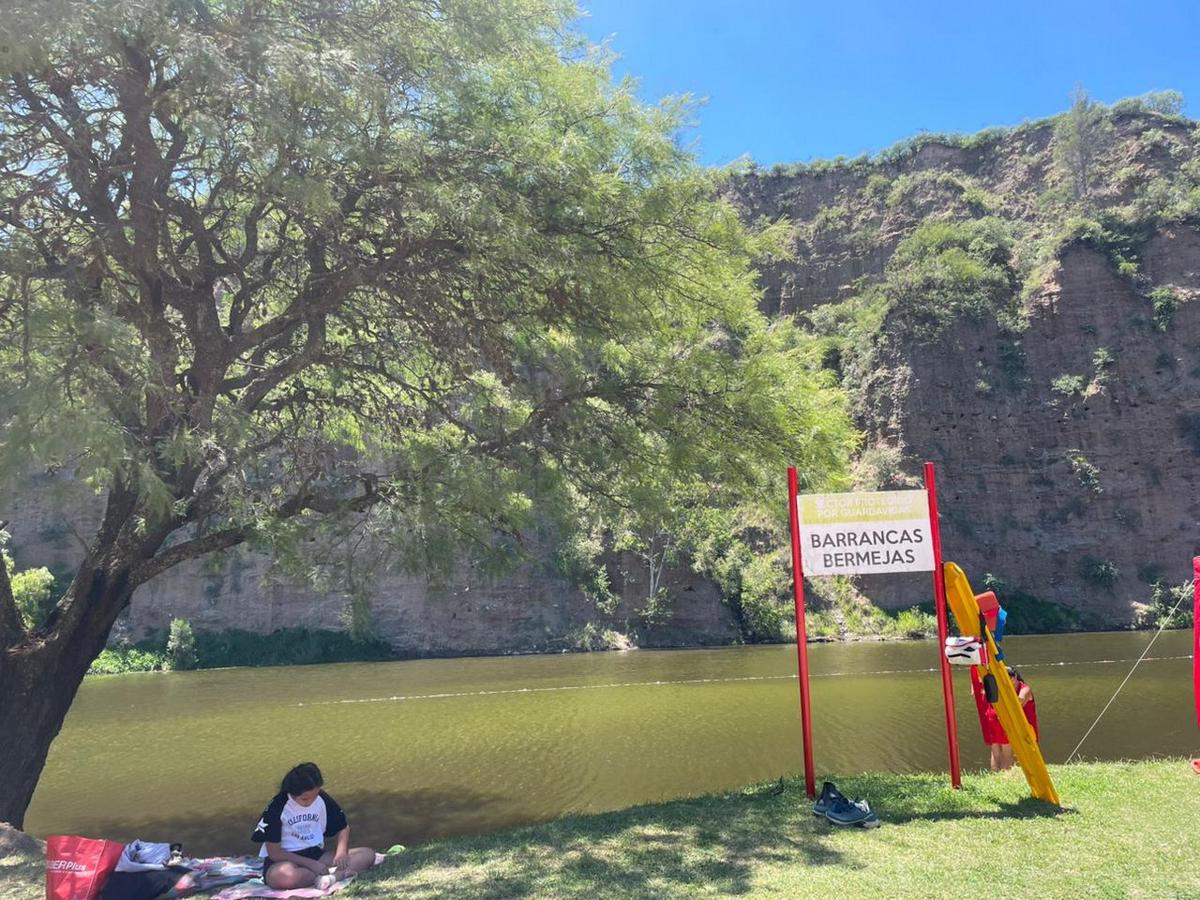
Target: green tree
point(181, 645)
point(1080, 137)
point(377, 274)
point(726, 521)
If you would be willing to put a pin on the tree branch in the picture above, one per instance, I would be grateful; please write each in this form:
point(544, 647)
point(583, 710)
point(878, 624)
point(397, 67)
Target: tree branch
point(262, 385)
point(193, 549)
point(224, 538)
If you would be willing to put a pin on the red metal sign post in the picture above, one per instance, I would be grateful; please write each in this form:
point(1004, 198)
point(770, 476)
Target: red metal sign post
point(1196, 634)
point(939, 590)
point(801, 635)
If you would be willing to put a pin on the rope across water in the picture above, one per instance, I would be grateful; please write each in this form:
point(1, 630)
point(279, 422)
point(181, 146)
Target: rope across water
point(1165, 620)
point(732, 679)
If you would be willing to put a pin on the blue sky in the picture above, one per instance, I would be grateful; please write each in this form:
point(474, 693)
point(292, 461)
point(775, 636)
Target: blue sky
point(796, 81)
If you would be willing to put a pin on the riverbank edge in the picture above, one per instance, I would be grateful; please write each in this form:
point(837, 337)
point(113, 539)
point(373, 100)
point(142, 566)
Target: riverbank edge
point(485, 653)
point(1124, 829)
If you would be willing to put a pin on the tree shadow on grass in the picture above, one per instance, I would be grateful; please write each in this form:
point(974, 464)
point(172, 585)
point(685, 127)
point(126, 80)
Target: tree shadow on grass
point(930, 798)
point(377, 819)
point(709, 844)
point(383, 818)
point(714, 843)
point(1029, 808)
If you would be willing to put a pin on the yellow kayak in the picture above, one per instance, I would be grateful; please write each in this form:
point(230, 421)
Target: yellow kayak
point(1028, 754)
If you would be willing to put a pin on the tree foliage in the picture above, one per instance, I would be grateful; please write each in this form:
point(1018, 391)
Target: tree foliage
point(270, 263)
point(181, 645)
point(355, 278)
point(363, 284)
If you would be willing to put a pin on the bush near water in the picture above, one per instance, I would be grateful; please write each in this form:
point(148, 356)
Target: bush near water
point(214, 650)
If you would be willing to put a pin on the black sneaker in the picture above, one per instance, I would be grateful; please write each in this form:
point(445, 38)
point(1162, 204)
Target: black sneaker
point(872, 820)
point(857, 813)
point(830, 796)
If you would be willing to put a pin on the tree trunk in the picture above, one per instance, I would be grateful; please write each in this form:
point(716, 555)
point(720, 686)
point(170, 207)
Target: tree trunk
point(38, 681)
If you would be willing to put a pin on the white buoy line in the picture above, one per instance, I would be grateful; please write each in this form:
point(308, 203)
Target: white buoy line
point(449, 695)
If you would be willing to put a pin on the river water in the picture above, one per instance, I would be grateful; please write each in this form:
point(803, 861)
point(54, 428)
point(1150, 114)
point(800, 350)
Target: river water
point(426, 748)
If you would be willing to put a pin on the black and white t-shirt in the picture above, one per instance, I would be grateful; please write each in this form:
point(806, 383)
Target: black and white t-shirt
point(295, 827)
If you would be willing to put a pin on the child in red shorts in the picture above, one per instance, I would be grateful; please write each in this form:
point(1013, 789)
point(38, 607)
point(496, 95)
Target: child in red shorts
point(989, 722)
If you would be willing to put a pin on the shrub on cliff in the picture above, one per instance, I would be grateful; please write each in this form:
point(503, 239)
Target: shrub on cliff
point(1170, 606)
point(946, 271)
point(941, 273)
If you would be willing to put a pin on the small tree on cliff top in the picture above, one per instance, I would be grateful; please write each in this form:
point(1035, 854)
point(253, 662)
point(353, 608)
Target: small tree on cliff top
point(277, 268)
point(1079, 141)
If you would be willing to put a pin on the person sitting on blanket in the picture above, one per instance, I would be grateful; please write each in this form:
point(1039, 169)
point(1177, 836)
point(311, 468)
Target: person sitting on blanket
point(294, 829)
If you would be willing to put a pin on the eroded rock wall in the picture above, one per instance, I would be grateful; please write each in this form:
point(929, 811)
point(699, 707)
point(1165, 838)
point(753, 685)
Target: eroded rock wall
point(1067, 451)
point(530, 609)
point(1081, 498)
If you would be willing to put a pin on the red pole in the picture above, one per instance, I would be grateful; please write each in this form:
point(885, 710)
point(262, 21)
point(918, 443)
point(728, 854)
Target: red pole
point(1196, 634)
point(939, 591)
point(801, 635)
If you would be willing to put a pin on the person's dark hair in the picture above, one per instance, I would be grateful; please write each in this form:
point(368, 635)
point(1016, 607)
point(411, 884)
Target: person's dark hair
point(1014, 673)
point(304, 777)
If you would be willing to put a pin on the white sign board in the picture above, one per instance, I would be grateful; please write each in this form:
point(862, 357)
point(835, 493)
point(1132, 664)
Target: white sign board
point(862, 534)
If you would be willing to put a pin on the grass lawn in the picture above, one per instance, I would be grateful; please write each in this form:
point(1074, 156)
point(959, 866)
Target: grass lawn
point(1129, 830)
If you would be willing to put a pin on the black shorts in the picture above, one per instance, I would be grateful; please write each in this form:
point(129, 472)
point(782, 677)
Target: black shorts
point(307, 853)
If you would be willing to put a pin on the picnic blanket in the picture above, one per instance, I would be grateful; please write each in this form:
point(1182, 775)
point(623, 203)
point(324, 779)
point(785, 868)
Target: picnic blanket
point(213, 872)
point(241, 876)
point(258, 888)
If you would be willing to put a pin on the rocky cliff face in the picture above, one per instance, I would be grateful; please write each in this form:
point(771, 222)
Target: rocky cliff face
point(1067, 438)
point(532, 609)
point(1086, 498)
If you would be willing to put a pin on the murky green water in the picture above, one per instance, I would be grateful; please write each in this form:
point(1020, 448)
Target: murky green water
point(420, 749)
